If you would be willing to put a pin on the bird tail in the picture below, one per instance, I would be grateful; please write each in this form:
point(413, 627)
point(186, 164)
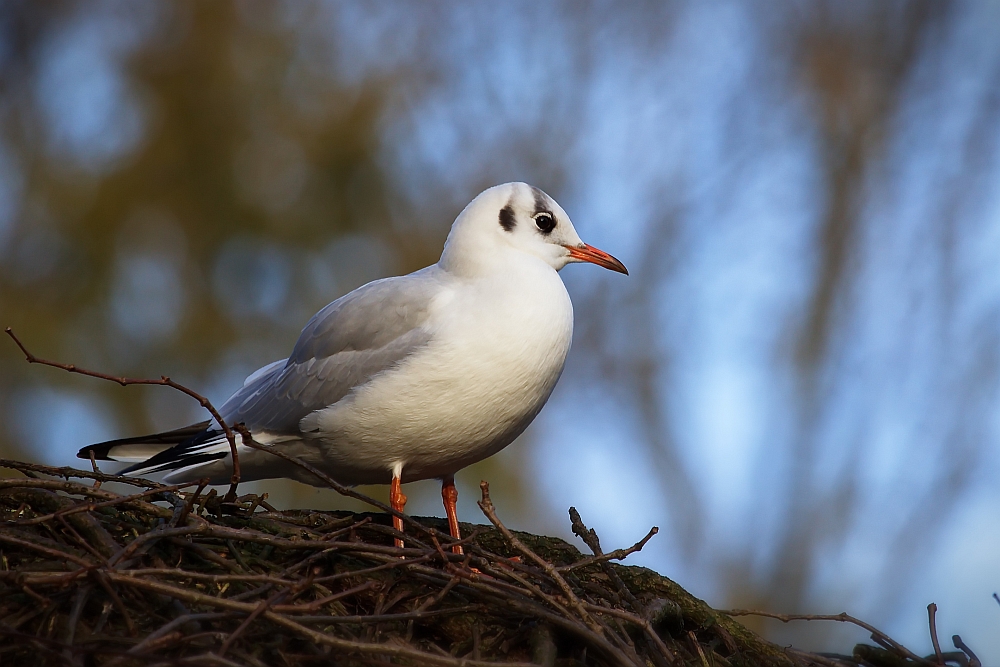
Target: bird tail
point(181, 448)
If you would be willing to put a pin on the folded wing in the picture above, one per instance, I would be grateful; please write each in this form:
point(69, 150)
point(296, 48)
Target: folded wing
point(364, 333)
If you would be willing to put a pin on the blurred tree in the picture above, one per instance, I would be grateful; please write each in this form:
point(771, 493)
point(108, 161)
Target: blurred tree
point(859, 71)
point(203, 241)
point(802, 195)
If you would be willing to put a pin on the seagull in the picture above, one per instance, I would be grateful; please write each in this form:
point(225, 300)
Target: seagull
point(410, 377)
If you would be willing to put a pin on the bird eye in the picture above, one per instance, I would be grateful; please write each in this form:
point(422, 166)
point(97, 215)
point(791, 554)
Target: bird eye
point(545, 222)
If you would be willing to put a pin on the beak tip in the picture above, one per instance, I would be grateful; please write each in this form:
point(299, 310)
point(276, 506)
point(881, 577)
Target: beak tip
point(589, 253)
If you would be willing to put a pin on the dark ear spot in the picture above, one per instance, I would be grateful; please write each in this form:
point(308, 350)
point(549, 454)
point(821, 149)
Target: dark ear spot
point(507, 218)
point(541, 200)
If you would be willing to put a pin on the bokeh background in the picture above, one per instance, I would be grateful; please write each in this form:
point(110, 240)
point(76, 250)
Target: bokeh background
point(799, 381)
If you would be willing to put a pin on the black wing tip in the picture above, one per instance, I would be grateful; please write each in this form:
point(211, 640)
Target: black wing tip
point(85, 453)
point(175, 437)
point(100, 450)
point(178, 456)
point(173, 464)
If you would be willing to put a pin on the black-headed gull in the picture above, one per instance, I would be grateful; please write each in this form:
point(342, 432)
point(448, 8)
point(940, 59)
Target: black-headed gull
point(406, 378)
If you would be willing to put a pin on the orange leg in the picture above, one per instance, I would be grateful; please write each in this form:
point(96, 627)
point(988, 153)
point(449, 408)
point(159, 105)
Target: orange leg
point(449, 494)
point(398, 501)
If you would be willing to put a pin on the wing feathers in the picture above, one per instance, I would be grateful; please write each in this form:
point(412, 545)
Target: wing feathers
point(350, 341)
point(346, 344)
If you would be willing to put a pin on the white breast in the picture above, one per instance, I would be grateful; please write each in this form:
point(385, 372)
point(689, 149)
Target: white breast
point(499, 347)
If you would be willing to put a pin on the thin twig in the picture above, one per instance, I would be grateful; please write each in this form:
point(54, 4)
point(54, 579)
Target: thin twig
point(697, 648)
point(163, 381)
point(176, 623)
point(617, 554)
point(590, 538)
point(932, 623)
point(261, 608)
point(93, 464)
point(842, 618)
point(372, 619)
point(960, 645)
point(103, 581)
point(66, 472)
point(486, 504)
point(79, 600)
point(641, 622)
point(54, 553)
point(181, 517)
point(83, 490)
point(89, 507)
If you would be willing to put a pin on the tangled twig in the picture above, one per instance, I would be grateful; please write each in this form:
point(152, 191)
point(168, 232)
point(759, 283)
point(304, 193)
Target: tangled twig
point(309, 577)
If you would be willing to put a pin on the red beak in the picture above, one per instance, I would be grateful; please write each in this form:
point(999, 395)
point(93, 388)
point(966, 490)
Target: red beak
point(588, 253)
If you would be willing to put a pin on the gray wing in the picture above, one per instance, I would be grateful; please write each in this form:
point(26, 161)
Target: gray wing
point(346, 344)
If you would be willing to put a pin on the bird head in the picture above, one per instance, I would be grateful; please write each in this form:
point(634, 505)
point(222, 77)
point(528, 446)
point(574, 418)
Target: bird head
point(522, 218)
